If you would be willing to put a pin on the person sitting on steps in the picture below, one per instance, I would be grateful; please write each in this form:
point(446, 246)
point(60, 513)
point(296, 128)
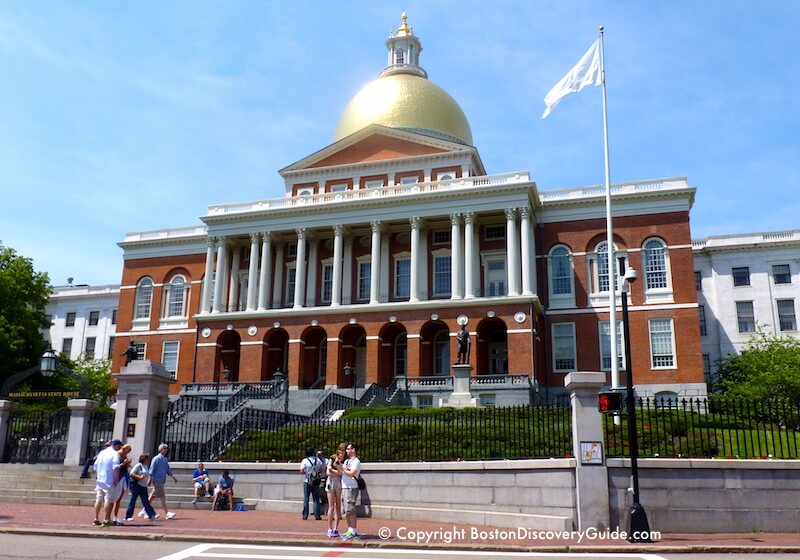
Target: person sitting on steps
point(224, 489)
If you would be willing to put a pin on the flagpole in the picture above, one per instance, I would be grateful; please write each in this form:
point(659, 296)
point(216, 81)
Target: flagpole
point(612, 276)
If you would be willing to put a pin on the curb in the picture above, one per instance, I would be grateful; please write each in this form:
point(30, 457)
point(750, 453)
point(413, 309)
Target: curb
point(484, 547)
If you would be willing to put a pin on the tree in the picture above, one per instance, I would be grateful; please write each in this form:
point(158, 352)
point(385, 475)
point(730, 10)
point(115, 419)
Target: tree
point(769, 367)
point(23, 296)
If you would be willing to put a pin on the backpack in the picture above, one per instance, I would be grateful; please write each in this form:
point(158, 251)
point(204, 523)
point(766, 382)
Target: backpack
point(314, 475)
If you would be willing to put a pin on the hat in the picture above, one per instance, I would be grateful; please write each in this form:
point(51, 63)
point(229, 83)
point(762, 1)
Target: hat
point(320, 452)
point(116, 442)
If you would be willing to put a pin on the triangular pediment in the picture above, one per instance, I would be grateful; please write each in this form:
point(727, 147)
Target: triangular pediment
point(375, 143)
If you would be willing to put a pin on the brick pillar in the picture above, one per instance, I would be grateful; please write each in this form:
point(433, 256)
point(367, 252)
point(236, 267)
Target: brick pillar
point(412, 366)
point(373, 349)
point(78, 434)
point(7, 408)
point(334, 363)
point(295, 347)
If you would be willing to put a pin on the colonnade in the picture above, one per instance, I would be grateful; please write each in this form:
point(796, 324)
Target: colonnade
point(464, 261)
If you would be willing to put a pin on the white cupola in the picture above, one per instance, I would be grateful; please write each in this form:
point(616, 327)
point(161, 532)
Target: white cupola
point(403, 50)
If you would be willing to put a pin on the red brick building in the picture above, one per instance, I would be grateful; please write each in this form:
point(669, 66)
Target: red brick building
point(391, 237)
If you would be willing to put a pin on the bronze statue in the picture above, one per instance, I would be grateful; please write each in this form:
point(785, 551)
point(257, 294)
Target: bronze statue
point(130, 354)
point(463, 345)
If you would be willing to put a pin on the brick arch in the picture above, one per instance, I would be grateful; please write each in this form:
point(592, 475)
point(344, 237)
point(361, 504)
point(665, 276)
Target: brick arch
point(228, 354)
point(387, 352)
point(174, 271)
point(429, 334)
point(353, 348)
point(595, 240)
point(276, 353)
point(491, 346)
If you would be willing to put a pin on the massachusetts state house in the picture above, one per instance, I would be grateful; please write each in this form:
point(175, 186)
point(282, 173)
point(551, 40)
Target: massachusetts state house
point(393, 236)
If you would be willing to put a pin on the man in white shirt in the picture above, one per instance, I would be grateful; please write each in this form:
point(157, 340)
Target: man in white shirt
point(107, 467)
point(350, 472)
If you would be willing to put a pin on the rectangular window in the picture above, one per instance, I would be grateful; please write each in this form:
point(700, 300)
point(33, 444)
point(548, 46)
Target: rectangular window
point(605, 346)
point(489, 400)
point(94, 318)
point(290, 280)
point(91, 342)
point(402, 277)
point(424, 401)
point(494, 232)
point(698, 280)
point(291, 250)
point(441, 237)
point(413, 180)
point(496, 277)
point(169, 357)
point(141, 350)
point(707, 368)
point(66, 346)
point(741, 276)
point(110, 348)
point(374, 183)
point(339, 187)
point(441, 275)
point(364, 279)
point(786, 315)
point(745, 316)
point(327, 282)
point(701, 312)
point(564, 347)
point(662, 347)
point(781, 274)
point(71, 319)
point(49, 319)
point(114, 317)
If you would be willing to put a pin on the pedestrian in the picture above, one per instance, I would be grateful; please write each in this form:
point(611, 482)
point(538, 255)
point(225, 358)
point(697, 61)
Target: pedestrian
point(90, 460)
point(350, 473)
point(202, 482)
point(140, 478)
point(333, 488)
point(107, 468)
point(311, 469)
point(124, 482)
point(159, 471)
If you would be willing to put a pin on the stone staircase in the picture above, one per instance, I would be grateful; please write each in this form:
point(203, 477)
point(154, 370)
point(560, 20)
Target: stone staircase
point(60, 485)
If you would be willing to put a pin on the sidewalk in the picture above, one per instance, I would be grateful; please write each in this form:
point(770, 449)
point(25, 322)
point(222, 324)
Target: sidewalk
point(261, 527)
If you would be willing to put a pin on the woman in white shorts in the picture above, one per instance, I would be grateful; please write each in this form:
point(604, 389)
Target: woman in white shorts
point(333, 487)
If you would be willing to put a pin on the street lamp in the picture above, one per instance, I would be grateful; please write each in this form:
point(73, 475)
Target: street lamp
point(639, 527)
point(348, 371)
point(282, 381)
point(48, 363)
point(224, 373)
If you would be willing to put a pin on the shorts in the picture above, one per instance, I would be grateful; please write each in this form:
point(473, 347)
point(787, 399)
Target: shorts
point(200, 484)
point(349, 497)
point(333, 484)
point(108, 495)
point(158, 491)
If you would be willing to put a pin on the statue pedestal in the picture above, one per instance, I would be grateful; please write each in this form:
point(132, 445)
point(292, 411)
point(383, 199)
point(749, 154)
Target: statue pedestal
point(461, 397)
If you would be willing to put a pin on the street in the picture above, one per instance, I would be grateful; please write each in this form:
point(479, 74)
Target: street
point(34, 547)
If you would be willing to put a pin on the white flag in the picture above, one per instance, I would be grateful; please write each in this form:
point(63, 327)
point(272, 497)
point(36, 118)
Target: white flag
point(585, 73)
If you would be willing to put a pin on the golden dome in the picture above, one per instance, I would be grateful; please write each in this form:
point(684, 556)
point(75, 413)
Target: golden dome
point(405, 101)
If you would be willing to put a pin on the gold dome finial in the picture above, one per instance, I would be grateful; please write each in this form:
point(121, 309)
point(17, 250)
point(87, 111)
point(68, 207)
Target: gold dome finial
point(404, 29)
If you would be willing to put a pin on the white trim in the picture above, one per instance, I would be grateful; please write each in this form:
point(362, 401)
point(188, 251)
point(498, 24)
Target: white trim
point(253, 343)
point(597, 310)
point(674, 365)
point(519, 331)
point(207, 344)
point(159, 332)
point(553, 347)
point(373, 337)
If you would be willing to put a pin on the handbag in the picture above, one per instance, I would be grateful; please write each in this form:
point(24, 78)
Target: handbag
point(361, 484)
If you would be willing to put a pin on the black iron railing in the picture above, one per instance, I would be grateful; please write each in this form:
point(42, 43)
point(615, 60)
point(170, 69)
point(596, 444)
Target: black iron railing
point(710, 427)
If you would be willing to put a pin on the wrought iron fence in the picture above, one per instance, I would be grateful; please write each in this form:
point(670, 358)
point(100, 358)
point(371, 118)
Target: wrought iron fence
point(713, 427)
point(101, 431)
point(443, 435)
point(38, 437)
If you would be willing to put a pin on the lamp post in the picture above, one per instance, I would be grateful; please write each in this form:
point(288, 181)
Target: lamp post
point(224, 373)
point(348, 371)
point(282, 380)
point(639, 527)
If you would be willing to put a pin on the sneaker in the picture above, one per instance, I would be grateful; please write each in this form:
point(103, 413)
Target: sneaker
point(141, 513)
point(335, 533)
point(194, 501)
point(349, 534)
point(153, 518)
point(330, 533)
point(117, 523)
point(96, 523)
point(105, 524)
point(170, 515)
point(129, 519)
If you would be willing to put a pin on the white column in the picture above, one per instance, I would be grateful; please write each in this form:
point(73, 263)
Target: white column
point(252, 272)
point(423, 264)
point(336, 281)
point(414, 290)
point(300, 269)
point(266, 271)
point(311, 284)
point(527, 249)
point(386, 269)
point(512, 254)
point(277, 285)
point(205, 307)
point(375, 262)
point(469, 255)
point(456, 263)
point(219, 276)
point(233, 298)
point(347, 271)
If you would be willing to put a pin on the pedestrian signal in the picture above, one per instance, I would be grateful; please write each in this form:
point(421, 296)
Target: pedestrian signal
point(609, 401)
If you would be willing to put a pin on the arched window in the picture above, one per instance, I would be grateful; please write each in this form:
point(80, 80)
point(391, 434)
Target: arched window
point(655, 265)
point(175, 297)
point(441, 353)
point(602, 267)
point(400, 354)
point(560, 271)
point(399, 56)
point(144, 297)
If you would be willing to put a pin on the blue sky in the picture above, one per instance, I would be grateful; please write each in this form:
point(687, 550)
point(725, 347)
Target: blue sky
point(119, 117)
